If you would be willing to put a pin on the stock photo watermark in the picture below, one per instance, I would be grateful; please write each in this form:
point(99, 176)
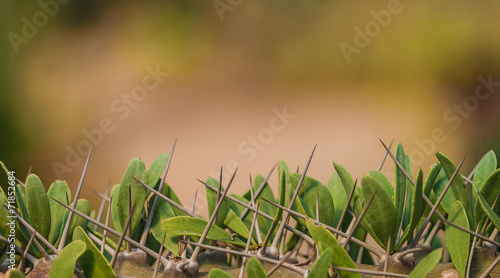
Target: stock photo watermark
point(31, 26)
point(121, 107)
point(11, 220)
point(223, 6)
point(455, 116)
point(373, 28)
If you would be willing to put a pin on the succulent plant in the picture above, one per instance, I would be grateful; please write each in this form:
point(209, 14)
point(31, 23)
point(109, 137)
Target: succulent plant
point(411, 227)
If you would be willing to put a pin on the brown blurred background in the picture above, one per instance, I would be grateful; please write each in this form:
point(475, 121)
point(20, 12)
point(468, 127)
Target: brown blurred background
point(249, 82)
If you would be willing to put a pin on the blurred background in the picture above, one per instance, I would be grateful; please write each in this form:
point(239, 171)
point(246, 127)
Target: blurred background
point(243, 84)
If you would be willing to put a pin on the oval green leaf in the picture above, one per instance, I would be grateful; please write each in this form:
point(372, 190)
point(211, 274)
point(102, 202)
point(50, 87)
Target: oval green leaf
point(384, 182)
point(14, 273)
point(321, 266)
point(212, 201)
point(427, 264)
point(235, 224)
point(38, 205)
point(311, 189)
point(135, 169)
point(185, 225)
point(64, 264)
point(92, 261)
point(381, 215)
point(338, 195)
point(218, 273)
point(153, 174)
point(400, 184)
point(487, 209)
point(254, 269)
point(486, 166)
point(457, 184)
point(489, 192)
point(457, 241)
point(326, 240)
point(418, 206)
point(82, 206)
point(58, 190)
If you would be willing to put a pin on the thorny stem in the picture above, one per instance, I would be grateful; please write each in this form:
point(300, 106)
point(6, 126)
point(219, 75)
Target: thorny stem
point(77, 194)
point(292, 201)
point(20, 267)
point(157, 266)
point(120, 241)
point(368, 247)
point(257, 194)
point(103, 203)
point(196, 252)
point(32, 230)
point(252, 200)
point(113, 232)
point(170, 201)
point(346, 208)
point(104, 233)
point(155, 202)
point(237, 253)
point(249, 241)
point(348, 238)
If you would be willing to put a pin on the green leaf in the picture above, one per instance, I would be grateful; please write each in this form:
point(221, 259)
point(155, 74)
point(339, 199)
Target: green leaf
point(309, 190)
point(64, 264)
point(153, 174)
point(427, 264)
point(38, 205)
point(457, 184)
point(281, 201)
point(185, 225)
point(321, 266)
point(92, 261)
point(431, 178)
point(164, 210)
point(234, 223)
point(384, 182)
point(4, 215)
point(265, 207)
point(135, 169)
point(212, 201)
point(254, 269)
point(381, 214)
point(266, 193)
point(418, 205)
point(347, 181)
point(114, 208)
point(82, 206)
point(409, 195)
point(348, 184)
point(218, 273)
point(14, 273)
point(490, 191)
point(299, 205)
point(457, 241)
point(487, 209)
point(439, 186)
point(170, 193)
point(487, 165)
point(338, 195)
point(58, 190)
point(326, 240)
point(400, 184)
point(21, 202)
